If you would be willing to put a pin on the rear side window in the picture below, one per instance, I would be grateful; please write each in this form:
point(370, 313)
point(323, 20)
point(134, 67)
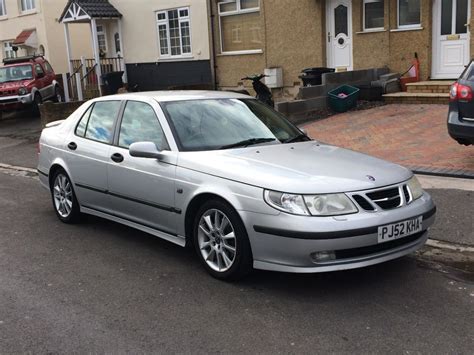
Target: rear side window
point(101, 121)
point(140, 124)
point(48, 67)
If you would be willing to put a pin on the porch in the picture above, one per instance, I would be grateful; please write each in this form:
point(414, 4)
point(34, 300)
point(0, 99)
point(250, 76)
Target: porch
point(85, 79)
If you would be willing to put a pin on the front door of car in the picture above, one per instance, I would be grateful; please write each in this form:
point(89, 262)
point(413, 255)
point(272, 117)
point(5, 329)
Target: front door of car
point(87, 154)
point(142, 190)
point(41, 81)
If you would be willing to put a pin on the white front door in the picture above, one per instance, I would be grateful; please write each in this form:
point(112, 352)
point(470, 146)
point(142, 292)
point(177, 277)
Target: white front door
point(450, 38)
point(339, 34)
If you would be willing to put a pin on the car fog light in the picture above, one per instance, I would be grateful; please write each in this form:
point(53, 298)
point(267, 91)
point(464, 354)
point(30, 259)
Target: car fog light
point(320, 256)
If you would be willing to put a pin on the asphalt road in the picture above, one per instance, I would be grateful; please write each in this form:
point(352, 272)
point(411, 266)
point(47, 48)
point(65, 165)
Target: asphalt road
point(100, 287)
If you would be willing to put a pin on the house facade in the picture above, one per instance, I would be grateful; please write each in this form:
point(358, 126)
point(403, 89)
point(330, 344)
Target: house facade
point(32, 27)
point(252, 35)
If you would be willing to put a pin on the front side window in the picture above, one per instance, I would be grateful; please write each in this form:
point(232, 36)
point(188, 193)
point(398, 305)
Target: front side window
point(3, 9)
point(100, 126)
point(39, 71)
point(373, 14)
point(16, 73)
point(140, 124)
point(27, 5)
point(174, 32)
point(8, 51)
point(213, 124)
point(409, 13)
point(240, 25)
point(102, 39)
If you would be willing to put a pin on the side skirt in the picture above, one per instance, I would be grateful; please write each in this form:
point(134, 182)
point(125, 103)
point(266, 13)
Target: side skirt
point(176, 239)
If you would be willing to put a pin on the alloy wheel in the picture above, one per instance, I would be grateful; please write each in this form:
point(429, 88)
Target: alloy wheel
point(216, 239)
point(63, 197)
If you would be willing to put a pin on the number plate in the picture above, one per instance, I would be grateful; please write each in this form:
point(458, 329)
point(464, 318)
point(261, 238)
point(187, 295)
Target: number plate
point(399, 230)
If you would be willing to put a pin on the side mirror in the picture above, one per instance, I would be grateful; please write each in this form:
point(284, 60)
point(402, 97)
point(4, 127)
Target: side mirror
point(39, 75)
point(144, 150)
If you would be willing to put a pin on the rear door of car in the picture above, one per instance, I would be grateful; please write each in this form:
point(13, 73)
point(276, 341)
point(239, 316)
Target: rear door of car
point(466, 108)
point(142, 190)
point(88, 148)
point(50, 77)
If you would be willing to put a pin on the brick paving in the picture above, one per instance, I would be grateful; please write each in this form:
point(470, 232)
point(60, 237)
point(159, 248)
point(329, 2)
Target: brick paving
point(411, 135)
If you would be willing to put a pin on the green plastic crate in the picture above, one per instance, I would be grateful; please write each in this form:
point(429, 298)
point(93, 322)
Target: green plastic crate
point(342, 104)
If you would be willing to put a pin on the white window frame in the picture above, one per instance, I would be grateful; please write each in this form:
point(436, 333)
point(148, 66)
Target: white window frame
point(416, 25)
point(363, 16)
point(3, 9)
point(238, 11)
point(165, 22)
point(8, 47)
point(102, 33)
point(27, 6)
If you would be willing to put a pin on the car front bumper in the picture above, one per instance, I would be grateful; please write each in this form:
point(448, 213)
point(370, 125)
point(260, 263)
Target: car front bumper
point(460, 129)
point(15, 101)
point(286, 242)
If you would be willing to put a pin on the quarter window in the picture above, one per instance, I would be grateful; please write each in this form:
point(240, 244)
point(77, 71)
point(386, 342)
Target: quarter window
point(174, 32)
point(3, 9)
point(27, 5)
point(101, 121)
point(373, 14)
point(140, 124)
point(81, 127)
point(240, 26)
point(409, 13)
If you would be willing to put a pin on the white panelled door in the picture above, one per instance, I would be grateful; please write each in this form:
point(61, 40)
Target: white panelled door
point(450, 38)
point(339, 34)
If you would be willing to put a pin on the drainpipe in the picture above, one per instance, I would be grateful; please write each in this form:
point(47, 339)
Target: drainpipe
point(212, 44)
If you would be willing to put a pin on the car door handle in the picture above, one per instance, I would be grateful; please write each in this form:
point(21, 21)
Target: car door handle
point(117, 157)
point(72, 146)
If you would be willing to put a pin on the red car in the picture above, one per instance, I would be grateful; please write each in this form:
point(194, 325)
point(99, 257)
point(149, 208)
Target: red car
point(27, 82)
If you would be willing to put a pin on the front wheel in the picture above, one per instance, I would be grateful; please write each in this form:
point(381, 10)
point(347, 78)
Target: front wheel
point(37, 101)
point(221, 241)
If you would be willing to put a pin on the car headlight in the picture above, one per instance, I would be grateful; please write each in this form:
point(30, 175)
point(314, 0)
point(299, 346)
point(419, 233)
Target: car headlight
point(415, 188)
point(315, 205)
point(22, 91)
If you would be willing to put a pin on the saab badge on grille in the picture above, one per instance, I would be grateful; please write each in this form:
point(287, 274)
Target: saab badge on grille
point(370, 177)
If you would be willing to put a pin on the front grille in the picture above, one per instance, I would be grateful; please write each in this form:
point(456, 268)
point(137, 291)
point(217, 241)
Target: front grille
point(363, 203)
point(7, 92)
point(407, 194)
point(377, 248)
point(387, 198)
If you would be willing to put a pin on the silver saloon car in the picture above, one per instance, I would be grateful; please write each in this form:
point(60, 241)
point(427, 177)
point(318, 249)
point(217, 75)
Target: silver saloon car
point(235, 179)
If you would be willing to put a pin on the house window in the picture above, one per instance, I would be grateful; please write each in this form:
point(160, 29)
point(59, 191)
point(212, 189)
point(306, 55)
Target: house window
point(240, 26)
point(408, 13)
point(8, 51)
point(373, 14)
point(27, 5)
point(102, 39)
point(174, 32)
point(3, 9)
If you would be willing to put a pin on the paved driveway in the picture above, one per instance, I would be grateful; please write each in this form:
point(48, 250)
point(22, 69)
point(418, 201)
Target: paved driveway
point(412, 135)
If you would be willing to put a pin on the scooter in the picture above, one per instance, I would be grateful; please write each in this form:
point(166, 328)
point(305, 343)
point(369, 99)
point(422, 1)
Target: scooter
point(264, 94)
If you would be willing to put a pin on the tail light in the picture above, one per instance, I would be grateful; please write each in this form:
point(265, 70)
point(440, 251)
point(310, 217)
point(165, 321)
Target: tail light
point(460, 92)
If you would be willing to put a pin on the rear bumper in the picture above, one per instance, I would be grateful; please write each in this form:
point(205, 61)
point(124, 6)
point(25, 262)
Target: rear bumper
point(460, 129)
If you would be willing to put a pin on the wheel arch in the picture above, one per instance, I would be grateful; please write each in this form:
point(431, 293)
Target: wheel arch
point(56, 165)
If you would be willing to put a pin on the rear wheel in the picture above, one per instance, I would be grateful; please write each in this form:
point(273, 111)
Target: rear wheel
point(221, 241)
point(64, 199)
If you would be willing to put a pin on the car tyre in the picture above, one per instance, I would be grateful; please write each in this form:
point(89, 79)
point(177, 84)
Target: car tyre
point(221, 241)
point(64, 199)
point(58, 97)
point(37, 100)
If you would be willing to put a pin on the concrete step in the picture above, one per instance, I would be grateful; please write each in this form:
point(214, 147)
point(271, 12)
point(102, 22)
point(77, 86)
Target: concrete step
point(433, 86)
point(416, 98)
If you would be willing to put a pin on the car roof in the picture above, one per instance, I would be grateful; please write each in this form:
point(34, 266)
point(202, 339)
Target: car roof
point(179, 95)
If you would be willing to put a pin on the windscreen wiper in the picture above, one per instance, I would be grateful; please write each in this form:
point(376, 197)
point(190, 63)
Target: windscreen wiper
point(301, 136)
point(247, 142)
